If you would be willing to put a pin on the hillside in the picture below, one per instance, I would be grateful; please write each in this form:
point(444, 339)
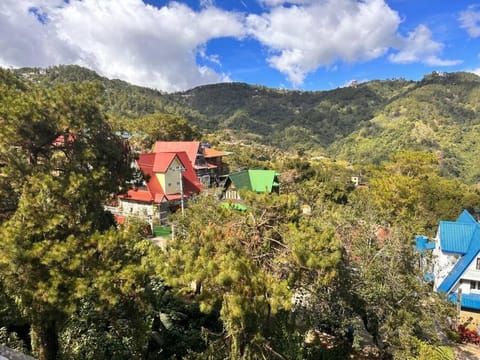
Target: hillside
point(440, 114)
point(362, 123)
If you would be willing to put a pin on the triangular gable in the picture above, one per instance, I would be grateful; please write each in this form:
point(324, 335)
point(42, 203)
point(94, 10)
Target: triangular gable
point(162, 161)
point(466, 217)
point(262, 180)
point(254, 180)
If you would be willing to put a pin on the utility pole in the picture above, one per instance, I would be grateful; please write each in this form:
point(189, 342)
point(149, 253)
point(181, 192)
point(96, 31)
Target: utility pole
point(180, 170)
point(181, 191)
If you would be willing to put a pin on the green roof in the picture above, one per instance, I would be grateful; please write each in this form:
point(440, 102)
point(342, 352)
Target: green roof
point(255, 180)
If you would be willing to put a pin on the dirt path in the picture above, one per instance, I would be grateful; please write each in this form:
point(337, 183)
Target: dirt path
point(467, 352)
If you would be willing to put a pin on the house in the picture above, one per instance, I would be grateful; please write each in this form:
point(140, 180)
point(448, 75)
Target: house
point(206, 162)
point(456, 261)
point(169, 180)
point(260, 181)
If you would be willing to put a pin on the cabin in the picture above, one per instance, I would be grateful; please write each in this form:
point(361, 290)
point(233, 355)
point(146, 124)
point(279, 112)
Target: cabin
point(260, 181)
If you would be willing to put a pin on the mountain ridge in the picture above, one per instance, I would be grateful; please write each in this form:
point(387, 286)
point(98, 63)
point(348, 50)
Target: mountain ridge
point(361, 123)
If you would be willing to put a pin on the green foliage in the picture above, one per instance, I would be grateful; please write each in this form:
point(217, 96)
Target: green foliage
point(158, 127)
point(363, 123)
point(429, 352)
point(247, 263)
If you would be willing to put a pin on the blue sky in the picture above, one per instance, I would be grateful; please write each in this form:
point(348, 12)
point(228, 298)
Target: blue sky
point(301, 44)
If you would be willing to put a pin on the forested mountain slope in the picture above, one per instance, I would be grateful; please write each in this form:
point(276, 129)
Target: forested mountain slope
point(440, 114)
point(361, 123)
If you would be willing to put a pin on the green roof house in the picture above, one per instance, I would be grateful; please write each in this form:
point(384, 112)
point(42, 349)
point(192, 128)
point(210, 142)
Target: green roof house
point(260, 181)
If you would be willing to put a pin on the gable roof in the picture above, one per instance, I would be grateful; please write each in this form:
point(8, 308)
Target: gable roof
point(255, 180)
point(190, 147)
point(153, 163)
point(455, 237)
point(461, 237)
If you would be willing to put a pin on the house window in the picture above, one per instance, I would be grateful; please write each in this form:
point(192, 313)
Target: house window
point(473, 285)
point(478, 263)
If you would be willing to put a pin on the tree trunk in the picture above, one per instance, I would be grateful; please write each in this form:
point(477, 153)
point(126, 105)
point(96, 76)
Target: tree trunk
point(45, 340)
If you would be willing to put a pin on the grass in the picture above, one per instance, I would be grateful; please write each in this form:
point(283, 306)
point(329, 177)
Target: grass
point(161, 231)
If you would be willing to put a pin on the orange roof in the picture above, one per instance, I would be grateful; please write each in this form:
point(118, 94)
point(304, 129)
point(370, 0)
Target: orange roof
point(190, 147)
point(211, 153)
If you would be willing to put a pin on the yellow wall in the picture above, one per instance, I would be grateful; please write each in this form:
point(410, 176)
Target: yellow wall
point(170, 180)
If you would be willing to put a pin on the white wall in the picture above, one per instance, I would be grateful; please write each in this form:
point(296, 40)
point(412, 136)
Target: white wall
point(443, 263)
point(136, 209)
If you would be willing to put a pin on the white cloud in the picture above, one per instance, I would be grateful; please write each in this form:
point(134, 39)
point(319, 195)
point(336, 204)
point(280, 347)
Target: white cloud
point(419, 46)
point(139, 43)
point(303, 38)
point(158, 47)
point(470, 21)
point(475, 71)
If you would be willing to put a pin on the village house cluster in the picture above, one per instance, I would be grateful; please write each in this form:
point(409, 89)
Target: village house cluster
point(175, 171)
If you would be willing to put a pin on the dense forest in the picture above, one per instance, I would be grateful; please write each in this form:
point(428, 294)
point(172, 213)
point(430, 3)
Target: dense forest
point(322, 270)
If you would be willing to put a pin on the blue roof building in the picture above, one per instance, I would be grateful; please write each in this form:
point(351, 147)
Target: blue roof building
point(456, 259)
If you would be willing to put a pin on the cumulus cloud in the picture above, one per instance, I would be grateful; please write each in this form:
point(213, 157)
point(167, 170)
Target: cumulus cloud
point(419, 46)
point(159, 46)
point(130, 40)
point(470, 21)
point(302, 38)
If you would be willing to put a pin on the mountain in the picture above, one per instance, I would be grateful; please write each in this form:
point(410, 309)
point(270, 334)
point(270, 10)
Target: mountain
point(361, 123)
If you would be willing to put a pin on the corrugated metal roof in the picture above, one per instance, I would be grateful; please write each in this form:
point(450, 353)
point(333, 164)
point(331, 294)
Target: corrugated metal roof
point(255, 180)
point(262, 180)
point(455, 237)
point(190, 147)
point(470, 301)
point(461, 237)
point(466, 217)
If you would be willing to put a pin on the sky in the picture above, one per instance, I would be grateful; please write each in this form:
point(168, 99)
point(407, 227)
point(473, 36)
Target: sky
point(300, 44)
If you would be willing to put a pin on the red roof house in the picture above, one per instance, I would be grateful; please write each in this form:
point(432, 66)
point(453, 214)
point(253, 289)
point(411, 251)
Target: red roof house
point(206, 162)
point(168, 176)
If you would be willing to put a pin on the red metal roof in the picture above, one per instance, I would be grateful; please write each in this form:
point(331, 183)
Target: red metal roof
point(153, 163)
point(190, 147)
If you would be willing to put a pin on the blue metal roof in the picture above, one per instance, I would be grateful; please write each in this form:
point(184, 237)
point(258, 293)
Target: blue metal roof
point(470, 301)
point(457, 271)
point(466, 217)
point(422, 244)
point(455, 237)
point(461, 237)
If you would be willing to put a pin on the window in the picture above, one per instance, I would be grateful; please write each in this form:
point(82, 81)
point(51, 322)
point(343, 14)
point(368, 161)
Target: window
point(473, 285)
point(478, 263)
